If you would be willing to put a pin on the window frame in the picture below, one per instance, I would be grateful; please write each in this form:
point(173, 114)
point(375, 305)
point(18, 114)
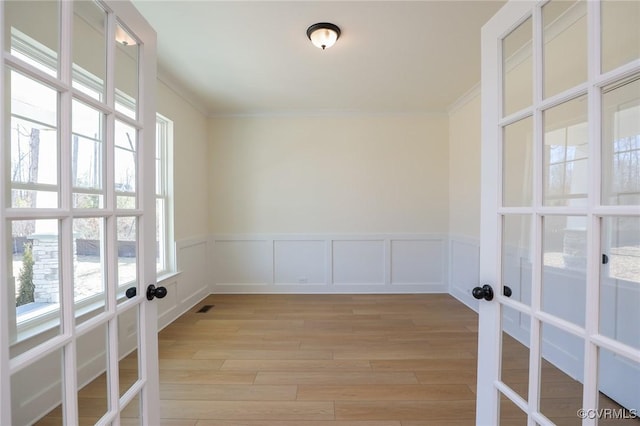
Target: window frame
point(164, 192)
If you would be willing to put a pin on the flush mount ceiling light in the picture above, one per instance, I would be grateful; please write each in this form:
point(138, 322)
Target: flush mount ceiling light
point(323, 34)
point(124, 38)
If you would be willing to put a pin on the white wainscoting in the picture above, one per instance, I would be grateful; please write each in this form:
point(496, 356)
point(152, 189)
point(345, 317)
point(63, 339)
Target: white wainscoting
point(190, 285)
point(464, 269)
point(371, 263)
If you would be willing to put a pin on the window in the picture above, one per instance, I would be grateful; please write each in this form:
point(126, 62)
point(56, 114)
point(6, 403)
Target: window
point(164, 206)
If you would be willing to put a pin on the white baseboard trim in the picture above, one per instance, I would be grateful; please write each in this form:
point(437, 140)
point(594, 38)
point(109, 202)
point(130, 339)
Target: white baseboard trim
point(420, 288)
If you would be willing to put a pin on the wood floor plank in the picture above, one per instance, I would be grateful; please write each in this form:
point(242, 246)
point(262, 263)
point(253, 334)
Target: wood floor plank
point(213, 324)
point(402, 352)
point(385, 393)
point(295, 365)
point(425, 364)
point(190, 364)
point(447, 377)
point(247, 410)
point(200, 377)
point(405, 410)
point(228, 392)
point(333, 378)
point(239, 354)
point(235, 342)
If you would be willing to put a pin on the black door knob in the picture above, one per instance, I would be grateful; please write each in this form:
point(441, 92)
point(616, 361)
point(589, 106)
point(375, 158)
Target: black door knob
point(485, 292)
point(161, 292)
point(131, 292)
point(153, 291)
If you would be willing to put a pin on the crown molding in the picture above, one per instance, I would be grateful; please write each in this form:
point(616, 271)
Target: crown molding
point(464, 99)
point(169, 80)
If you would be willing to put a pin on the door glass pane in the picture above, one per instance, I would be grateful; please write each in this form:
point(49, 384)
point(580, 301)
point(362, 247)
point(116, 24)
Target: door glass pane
point(517, 69)
point(130, 416)
point(161, 254)
point(89, 48)
point(561, 370)
point(31, 32)
point(621, 143)
point(620, 33)
point(564, 30)
point(564, 244)
point(128, 349)
point(34, 143)
point(36, 389)
point(127, 251)
point(515, 351)
point(620, 280)
point(126, 142)
point(87, 156)
point(510, 413)
point(517, 256)
point(36, 283)
point(89, 267)
point(517, 159)
point(92, 364)
point(566, 149)
point(126, 72)
point(619, 389)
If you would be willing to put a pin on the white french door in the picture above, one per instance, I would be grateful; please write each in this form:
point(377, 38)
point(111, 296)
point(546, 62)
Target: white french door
point(77, 225)
point(559, 338)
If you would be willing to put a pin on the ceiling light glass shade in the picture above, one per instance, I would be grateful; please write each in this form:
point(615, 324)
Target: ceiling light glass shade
point(323, 34)
point(124, 38)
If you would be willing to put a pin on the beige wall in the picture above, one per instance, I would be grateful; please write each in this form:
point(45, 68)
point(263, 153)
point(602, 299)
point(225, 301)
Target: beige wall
point(464, 169)
point(349, 174)
point(190, 168)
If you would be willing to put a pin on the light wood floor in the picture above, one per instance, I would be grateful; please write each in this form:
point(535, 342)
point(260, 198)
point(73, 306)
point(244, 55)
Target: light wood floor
point(321, 360)
point(329, 360)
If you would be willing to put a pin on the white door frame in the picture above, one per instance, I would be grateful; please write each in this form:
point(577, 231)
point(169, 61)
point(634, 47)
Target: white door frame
point(147, 385)
point(489, 323)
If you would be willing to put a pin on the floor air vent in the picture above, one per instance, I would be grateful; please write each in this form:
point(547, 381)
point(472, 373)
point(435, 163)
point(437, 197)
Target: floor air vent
point(204, 309)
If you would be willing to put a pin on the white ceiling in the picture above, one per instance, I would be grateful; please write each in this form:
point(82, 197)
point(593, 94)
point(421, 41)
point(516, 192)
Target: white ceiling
point(253, 57)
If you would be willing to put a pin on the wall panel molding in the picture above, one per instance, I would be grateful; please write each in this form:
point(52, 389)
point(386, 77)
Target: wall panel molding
point(190, 284)
point(464, 268)
point(323, 263)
